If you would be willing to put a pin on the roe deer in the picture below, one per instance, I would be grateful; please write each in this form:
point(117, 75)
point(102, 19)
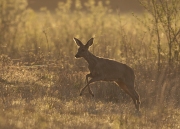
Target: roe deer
point(102, 69)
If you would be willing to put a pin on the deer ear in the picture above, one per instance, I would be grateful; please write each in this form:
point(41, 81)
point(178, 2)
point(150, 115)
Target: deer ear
point(89, 43)
point(78, 42)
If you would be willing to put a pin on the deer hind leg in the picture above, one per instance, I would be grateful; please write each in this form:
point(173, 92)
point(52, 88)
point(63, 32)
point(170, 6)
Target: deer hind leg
point(137, 98)
point(131, 88)
point(129, 92)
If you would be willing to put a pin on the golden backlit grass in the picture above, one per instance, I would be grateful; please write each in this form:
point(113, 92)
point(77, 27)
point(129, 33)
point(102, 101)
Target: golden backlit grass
point(84, 113)
point(41, 99)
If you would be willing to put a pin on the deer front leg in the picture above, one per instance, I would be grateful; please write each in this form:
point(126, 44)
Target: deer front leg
point(90, 91)
point(87, 85)
point(88, 75)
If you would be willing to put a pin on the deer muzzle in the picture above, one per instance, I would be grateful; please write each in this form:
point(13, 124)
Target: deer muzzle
point(77, 56)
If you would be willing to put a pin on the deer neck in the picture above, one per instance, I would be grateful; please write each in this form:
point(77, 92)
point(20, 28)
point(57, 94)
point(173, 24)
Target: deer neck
point(91, 59)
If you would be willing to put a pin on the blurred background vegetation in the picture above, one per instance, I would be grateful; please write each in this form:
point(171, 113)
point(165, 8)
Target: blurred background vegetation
point(123, 5)
point(40, 76)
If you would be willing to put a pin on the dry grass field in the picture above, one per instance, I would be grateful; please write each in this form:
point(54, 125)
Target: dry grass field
point(40, 79)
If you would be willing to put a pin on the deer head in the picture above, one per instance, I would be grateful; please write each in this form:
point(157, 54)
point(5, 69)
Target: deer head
point(83, 49)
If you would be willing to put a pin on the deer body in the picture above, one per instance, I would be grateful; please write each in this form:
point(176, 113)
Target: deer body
point(109, 70)
point(102, 69)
